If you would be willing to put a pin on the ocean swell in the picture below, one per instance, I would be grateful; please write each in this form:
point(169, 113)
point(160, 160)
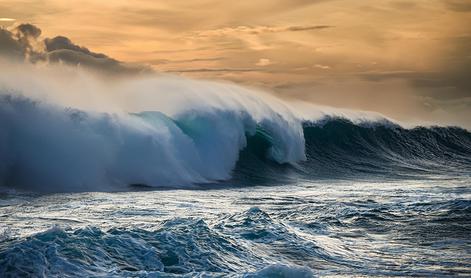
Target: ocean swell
point(183, 133)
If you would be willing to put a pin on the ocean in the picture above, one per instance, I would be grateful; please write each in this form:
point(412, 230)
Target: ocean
point(237, 188)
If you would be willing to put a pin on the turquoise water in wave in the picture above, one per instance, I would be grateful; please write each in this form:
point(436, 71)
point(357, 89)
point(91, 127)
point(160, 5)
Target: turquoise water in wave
point(302, 229)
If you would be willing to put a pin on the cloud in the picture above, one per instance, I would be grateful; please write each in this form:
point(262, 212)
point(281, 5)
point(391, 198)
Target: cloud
point(180, 50)
point(102, 64)
point(319, 66)
point(24, 43)
point(307, 28)
point(195, 60)
point(263, 62)
point(258, 30)
point(6, 19)
point(28, 30)
point(60, 42)
point(19, 44)
point(214, 70)
point(10, 47)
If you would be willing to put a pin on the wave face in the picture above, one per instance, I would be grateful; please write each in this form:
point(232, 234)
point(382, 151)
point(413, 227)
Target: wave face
point(337, 148)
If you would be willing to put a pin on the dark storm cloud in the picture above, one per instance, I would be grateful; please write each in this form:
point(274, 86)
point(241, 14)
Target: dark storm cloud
point(63, 43)
point(28, 30)
point(19, 44)
point(10, 47)
point(24, 43)
point(102, 64)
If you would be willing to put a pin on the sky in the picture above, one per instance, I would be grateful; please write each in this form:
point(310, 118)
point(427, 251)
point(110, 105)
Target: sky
point(409, 60)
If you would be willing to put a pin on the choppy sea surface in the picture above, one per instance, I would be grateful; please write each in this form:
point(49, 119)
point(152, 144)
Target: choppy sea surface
point(328, 228)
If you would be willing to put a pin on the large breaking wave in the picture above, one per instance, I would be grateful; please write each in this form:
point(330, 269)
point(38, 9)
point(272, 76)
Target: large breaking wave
point(48, 147)
point(56, 135)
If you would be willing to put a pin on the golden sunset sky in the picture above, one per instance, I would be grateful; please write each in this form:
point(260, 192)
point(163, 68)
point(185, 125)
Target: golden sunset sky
point(409, 60)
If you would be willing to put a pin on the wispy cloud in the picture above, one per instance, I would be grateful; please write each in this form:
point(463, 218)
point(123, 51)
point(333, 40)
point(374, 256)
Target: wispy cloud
point(196, 60)
point(256, 30)
point(324, 67)
point(264, 62)
point(213, 70)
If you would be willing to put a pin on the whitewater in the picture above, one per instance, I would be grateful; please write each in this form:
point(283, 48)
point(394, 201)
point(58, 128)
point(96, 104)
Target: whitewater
point(163, 176)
